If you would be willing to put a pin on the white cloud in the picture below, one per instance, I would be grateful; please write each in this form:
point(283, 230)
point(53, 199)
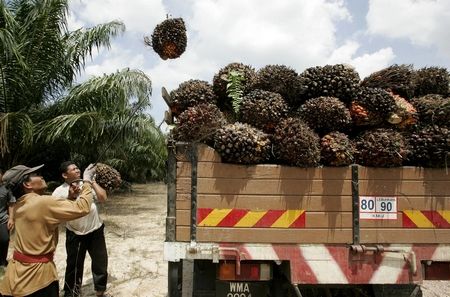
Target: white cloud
point(138, 15)
point(364, 64)
point(295, 33)
point(423, 22)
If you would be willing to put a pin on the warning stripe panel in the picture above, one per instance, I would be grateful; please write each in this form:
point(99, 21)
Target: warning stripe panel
point(244, 218)
point(426, 219)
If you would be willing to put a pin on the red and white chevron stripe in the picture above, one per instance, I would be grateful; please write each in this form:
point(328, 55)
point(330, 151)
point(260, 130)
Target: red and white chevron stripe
point(336, 264)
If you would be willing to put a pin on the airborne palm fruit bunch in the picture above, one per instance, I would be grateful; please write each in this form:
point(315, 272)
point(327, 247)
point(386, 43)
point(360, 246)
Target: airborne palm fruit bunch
point(433, 110)
point(336, 149)
point(107, 177)
point(278, 79)
point(432, 80)
point(372, 106)
point(296, 144)
point(430, 147)
point(222, 78)
point(325, 114)
point(263, 110)
point(340, 81)
point(242, 144)
point(381, 148)
point(199, 123)
point(191, 93)
point(169, 39)
point(399, 79)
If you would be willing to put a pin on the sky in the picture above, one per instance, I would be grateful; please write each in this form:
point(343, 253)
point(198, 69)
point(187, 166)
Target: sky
point(370, 35)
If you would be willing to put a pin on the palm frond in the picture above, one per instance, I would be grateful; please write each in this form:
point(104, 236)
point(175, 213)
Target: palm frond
point(15, 128)
point(111, 92)
point(80, 43)
point(69, 127)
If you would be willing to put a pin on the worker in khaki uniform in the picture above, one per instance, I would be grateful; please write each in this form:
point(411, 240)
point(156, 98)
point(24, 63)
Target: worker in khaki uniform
point(32, 271)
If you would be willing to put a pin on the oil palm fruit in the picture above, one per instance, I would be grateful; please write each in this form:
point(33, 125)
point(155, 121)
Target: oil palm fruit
point(191, 93)
point(279, 79)
point(325, 114)
point(199, 123)
point(405, 114)
point(263, 110)
point(336, 149)
point(431, 80)
point(430, 147)
point(222, 79)
point(371, 106)
point(399, 79)
point(242, 144)
point(296, 144)
point(433, 110)
point(361, 116)
point(340, 81)
point(381, 148)
point(169, 38)
point(107, 177)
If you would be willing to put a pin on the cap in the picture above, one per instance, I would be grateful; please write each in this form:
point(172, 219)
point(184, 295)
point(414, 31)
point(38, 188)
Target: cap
point(13, 176)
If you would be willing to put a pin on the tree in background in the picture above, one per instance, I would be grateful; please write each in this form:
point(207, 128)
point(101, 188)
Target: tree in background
point(43, 117)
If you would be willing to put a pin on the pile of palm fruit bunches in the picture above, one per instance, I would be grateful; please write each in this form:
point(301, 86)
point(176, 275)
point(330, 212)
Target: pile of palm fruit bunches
point(324, 116)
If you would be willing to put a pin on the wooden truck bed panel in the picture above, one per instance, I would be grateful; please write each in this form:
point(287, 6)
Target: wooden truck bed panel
point(323, 195)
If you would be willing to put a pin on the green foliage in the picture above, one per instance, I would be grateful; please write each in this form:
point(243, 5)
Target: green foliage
point(235, 89)
point(45, 118)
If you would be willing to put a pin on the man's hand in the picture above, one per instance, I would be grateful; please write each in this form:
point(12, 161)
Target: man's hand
point(89, 172)
point(74, 190)
point(10, 224)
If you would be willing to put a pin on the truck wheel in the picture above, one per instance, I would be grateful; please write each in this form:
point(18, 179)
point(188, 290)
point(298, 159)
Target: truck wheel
point(174, 279)
point(397, 290)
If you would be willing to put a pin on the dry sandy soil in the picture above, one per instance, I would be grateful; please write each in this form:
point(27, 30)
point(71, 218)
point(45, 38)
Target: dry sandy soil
point(135, 233)
point(135, 227)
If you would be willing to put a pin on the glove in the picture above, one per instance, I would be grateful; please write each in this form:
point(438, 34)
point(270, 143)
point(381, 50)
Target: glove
point(88, 174)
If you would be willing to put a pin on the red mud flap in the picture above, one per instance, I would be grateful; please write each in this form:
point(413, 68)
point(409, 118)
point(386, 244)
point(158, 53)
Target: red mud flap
point(241, 289)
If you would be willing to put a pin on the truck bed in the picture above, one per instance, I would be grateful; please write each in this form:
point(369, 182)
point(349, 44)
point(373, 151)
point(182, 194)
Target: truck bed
point(281, 204)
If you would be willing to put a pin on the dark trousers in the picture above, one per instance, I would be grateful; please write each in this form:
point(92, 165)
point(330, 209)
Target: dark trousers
point(4, 243)
point(76, 247)
point(51, 290)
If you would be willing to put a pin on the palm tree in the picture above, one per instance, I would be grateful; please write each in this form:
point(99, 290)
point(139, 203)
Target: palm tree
point(103, 119)
point(41, 110)
point(39, 59)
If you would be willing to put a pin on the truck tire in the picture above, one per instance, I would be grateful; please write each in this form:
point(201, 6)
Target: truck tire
point(174, 279)
point(397, 290)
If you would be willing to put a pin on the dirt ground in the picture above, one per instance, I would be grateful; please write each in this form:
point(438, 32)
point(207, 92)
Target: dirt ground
point(135, 227)
point(135, 233)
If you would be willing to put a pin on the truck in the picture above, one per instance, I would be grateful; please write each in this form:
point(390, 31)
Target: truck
point(274, 230)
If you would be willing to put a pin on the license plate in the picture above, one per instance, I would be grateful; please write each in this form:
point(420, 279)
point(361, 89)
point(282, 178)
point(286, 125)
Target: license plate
point(241, 289)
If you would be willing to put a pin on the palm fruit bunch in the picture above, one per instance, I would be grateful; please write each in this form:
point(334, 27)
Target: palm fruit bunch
point(405, 114)
point(278, 79)
point(430, 147)
point(433, 110)
point(222, 79)
point(325, 114)
point(191, 93)
point(107, 177)
point(381, 148)
point(199, 123)
point(399, 79)
point(340, 81)
point(168, 39)
point(371, 106)
point(432, 80)
point(242, 144)
point(336, 149)
point(263, 110)
point(296, 144)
